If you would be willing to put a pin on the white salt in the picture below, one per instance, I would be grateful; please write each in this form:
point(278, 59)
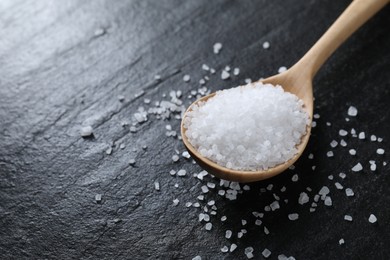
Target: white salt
point(352, 111)
point(352, 152)
point(186, 78)
point(372, 218)
point(329, 154)
point(217, 47)
point(303, 198)
point(342, 132)
point(293, 216)
point(357, 168)
point(86, 131)
point(380, 151)
point(341, 241)
point(228, 234)
point(266, 253)
point(347, 217)
point(233, 247)
point(209, 226)
point(266, 45)
point(234, 131)
point(282, 69)
point(333, 144)
point(349, 192)
point(362, 135)
point(225, 75)
point(236, 71)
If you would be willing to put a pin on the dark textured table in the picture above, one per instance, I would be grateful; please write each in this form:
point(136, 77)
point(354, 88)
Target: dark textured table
point(68, 64)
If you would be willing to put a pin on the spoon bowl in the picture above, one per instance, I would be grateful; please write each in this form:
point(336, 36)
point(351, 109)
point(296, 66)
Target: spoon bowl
point(304, 92)
point(297, 80)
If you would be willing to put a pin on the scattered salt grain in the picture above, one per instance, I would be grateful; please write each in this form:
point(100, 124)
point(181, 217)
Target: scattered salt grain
point(342, 175)
point(338, 186)
point(330, 177)
point(217, 47)
point(294, 178)
point(86, 131)
point(380, 151)
point(373, 167)
point(372, 219)
point(342, 132)
point(352, 111)
point(349, 192)
point(156, 185)
point(333, 144)
point(373, 138)
point(347, 217)
point(362, 135)
point(258, 222)
point(293, 216)
point(357, 168)
point(188, 204)
point(205, 67)
point(225, 75)
point(329, 154)
point(328, 201)
point(132, 162)
point(205, 189)
point(208, 226)
point(228, 234)
point(352, 152)
point(98, 198)
point(224, 249)
point(186, 78)
point(266, 45)
point(282, 69)
point(197, 258)
point(181, 173)
point(223, 218)
point(186, 155)
point(343, 143)
point(172, 172)
point(233, 247)
point(266, 253)
point(341, 241)
point(266, 231)
point(249, 252)
point(175, 202)
point(236, 71)
point(303, 198)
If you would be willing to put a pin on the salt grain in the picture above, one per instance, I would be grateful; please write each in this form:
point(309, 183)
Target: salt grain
point(347, 217)
point(156, 185)
point(224, 249)
point(282, 69)
point(357, 168)
point(233, 247)
point(186, 78)
point(293, 216)
point(341, 241)
point(303, 198)
point(352, 152)
point(342, 132)
point(380, 151)
point(362, 135)
point(209, 226)
point(266, 45)
point(352, 111)
point(266, 253)
point(372, 219)
point(86, 131)
point(349, 192)
point(225, 75)
point(217, 47)
point(228, 234)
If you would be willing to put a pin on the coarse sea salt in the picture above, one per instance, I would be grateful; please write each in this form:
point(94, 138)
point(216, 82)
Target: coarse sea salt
point(234, 131)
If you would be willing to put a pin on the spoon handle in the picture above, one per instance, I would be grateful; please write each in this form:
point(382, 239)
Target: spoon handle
point(356, 14)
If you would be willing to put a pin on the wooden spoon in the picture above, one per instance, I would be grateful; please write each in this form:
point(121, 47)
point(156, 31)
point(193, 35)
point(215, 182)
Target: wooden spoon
point(297, 80)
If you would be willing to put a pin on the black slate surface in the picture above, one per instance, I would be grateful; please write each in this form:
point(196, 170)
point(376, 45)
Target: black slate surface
point(63, 64)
